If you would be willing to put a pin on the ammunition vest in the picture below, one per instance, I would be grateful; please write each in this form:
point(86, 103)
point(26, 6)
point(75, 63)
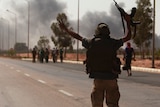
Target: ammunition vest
point(100, 56)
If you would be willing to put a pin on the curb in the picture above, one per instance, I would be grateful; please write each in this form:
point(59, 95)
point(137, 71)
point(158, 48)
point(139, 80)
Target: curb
point(151, 70)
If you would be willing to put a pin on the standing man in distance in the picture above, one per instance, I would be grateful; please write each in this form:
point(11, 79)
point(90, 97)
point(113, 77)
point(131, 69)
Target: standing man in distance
point(34, 53)
point(128, 54)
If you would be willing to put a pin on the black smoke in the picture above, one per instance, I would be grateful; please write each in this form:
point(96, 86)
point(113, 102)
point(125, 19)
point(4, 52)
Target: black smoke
point(44, 12)
point(90, 20)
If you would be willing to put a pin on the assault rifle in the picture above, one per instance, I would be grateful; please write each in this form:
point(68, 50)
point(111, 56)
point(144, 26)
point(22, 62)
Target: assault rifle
point(133, 12)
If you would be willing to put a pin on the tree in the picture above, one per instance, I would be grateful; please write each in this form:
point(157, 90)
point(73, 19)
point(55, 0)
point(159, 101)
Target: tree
point(143, 35)
point(61, 38)
point(43, 42)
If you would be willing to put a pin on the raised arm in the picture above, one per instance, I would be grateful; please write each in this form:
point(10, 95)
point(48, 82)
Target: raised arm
point(70, 32)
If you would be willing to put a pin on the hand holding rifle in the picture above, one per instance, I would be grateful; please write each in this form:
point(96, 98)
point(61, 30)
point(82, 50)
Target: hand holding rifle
point(128, 17)
point(73, 34)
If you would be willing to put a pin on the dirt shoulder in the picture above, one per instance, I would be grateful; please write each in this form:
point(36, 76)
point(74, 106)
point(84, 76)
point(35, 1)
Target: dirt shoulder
point(146, 63)
point(138, 63)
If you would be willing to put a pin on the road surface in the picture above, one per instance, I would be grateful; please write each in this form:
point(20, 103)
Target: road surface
point(27, 84)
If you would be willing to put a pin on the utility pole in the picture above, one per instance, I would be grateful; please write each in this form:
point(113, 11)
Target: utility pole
point(28, 26)
point(15, 24)
point(78, 33)
point(153, 37)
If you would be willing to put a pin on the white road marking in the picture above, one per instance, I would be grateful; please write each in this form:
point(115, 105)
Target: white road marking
point(41, 81)
point(11, 67)
point(27, 75)
point(18, 70)
point(66, 93)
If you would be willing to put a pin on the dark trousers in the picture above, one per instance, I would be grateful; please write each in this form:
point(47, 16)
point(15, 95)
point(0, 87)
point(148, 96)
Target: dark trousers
point(105, 89)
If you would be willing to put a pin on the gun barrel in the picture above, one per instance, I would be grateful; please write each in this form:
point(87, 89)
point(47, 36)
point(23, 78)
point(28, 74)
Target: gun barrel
point(115, 3)
point(133, 12)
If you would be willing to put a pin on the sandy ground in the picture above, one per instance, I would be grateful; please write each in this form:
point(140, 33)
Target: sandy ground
point(146, 63)
point(138, 63)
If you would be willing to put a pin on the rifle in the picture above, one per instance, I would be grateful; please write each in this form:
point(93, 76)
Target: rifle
point(133, 12)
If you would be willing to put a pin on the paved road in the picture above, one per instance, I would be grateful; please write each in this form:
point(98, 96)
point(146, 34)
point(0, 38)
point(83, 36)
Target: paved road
point(27, 84)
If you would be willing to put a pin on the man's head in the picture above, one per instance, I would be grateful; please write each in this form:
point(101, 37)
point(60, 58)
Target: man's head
point(102, 29)
point(128, 44)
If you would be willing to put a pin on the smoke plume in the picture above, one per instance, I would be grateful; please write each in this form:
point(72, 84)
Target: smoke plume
point(44, 12)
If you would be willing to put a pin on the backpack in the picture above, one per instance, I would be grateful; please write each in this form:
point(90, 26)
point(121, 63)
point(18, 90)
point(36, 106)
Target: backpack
point(102, 57)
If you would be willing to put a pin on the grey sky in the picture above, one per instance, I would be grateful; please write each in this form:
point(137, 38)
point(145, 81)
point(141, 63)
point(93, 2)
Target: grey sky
point(44, 12)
